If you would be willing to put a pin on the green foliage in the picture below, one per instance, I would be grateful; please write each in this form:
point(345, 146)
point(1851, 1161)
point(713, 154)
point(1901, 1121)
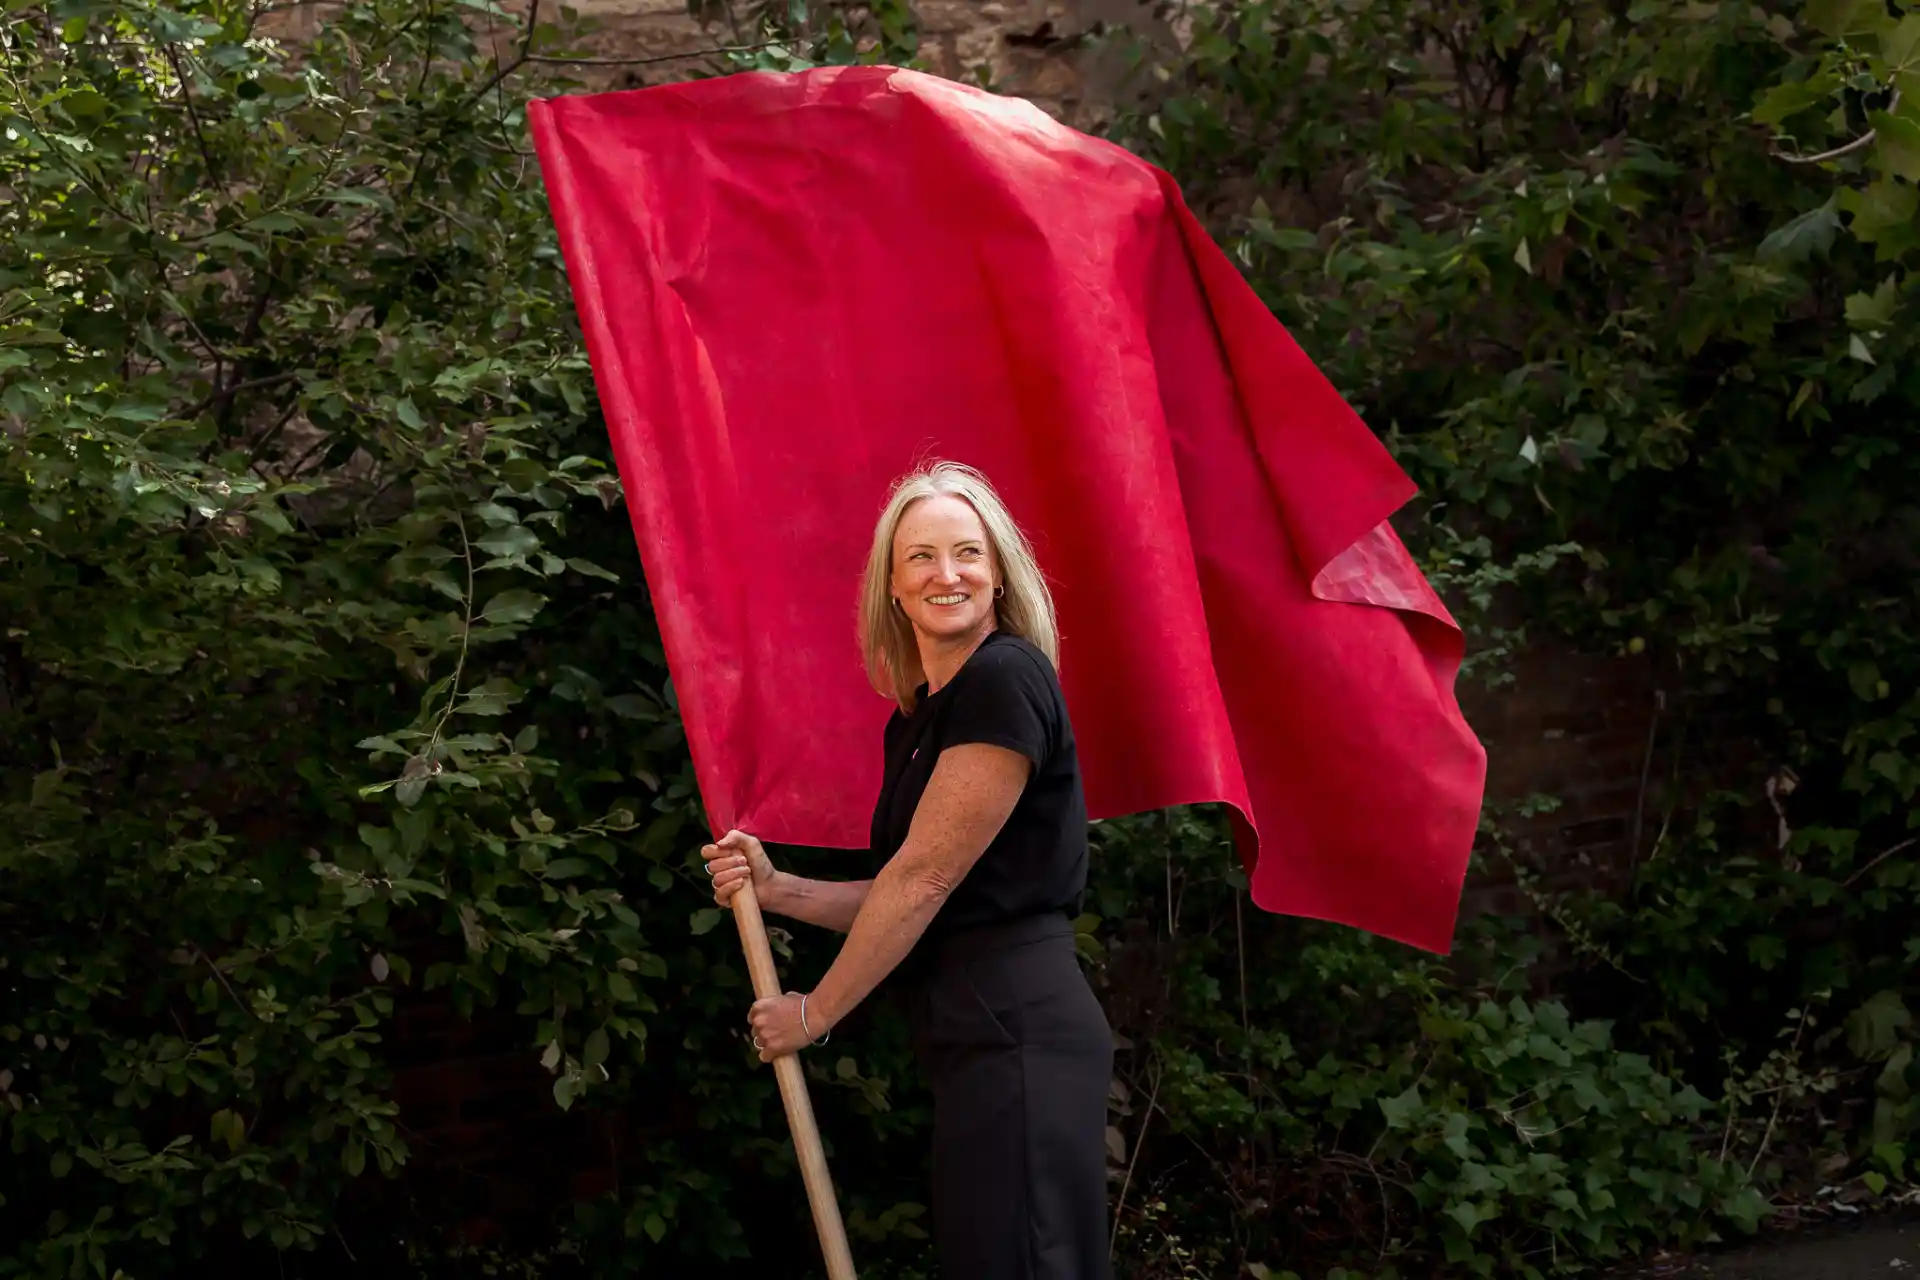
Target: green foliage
point(315, 691)
point(1630, 340)
point(331, 704)
point(1350, 1107)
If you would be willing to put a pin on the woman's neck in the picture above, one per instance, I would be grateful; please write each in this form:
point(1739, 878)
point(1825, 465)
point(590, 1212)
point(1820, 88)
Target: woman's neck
point(941, 659)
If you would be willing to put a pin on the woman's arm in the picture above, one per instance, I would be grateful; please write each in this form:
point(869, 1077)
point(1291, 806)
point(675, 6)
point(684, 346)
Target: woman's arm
point(967, 800)
point(831, 904)
point(737, 858)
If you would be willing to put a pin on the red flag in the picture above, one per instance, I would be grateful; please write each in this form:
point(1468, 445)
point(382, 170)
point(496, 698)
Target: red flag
point(795, 287)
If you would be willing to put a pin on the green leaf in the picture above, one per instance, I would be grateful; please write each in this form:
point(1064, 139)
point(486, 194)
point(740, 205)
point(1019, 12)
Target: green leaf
point(590, 569)
point(1874, 1029)
point(517, 605)
point(1839, 18)
point(509, 540)
point(632, 706)
point(1879, 207)
point(364, 197)
point(494, 698)
point(620, 987)
point(596, 1050)
point(1875, 310)
point(226, 1127)
point(1401, 1109)
point(1785, 101)
point(1466, 1213)
point(1896, 143)
point(523, 473)
point(565, 868)
point(704, 920)
point(1898, 46)
point(1808, 236)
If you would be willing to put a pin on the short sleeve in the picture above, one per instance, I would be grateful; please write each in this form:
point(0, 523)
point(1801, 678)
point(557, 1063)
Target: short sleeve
point(1003, 699)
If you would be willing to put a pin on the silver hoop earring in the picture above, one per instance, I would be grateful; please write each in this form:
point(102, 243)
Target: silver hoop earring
point(998, 592)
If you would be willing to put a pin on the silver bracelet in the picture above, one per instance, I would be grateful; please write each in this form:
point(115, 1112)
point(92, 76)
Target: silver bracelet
point(804, 1030)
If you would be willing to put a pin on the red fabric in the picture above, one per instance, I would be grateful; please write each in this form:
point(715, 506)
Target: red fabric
point(795, 287)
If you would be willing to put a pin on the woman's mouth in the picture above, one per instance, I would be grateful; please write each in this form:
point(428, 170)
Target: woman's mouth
point(947, 600)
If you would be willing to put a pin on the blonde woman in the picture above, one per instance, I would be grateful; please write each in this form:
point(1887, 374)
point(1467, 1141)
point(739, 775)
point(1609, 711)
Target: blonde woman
point(981, 830)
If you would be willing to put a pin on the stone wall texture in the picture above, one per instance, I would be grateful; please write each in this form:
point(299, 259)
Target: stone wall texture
point(1035, 49)
point(1032, 48)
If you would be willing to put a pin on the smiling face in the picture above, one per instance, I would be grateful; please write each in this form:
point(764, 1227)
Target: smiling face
point(943, 569)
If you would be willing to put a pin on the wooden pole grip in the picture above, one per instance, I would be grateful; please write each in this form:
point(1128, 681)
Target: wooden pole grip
point(793, 1093)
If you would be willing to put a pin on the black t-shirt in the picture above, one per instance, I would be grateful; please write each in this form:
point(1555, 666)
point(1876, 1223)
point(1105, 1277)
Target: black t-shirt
point(1006, 695)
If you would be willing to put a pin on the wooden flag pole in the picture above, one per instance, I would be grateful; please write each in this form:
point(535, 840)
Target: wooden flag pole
point(793, 1092)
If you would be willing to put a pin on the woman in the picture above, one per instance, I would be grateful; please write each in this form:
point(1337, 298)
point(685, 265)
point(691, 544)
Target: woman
point(982, 827)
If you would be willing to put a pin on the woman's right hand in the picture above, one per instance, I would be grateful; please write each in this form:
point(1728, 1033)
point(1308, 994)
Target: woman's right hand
point(732, 861)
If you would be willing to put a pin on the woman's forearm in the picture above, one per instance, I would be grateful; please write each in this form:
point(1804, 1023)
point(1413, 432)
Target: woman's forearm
point(973, 789)
point(830, 904)
point(898, 908)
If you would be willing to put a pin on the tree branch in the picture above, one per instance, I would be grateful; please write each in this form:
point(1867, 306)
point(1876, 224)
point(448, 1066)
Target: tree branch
point(223, 396)
point(1902, 847)
point(526, 52)
point(1845, 149)
point(186, 96)
point(658, 57)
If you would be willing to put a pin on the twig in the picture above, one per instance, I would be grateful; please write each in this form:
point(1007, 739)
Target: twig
point(1386, 1201)
point(500, 73)
point(466, 641)
point(324, 442)
point(1139, 1140)
point(226, 394)
point(1780, 1098)
point(1902, 847)
point(221, 975)
point(1646, 775)
point(526, 53)
point(186, 96)
point(658, 57)
point(1845, 149)
point(273, 433)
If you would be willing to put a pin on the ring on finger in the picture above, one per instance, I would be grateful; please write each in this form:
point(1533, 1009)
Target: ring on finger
point(757, 1044)
point(709, 868)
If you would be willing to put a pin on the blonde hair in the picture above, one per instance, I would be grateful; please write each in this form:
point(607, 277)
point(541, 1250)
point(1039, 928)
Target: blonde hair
point(1025, 609)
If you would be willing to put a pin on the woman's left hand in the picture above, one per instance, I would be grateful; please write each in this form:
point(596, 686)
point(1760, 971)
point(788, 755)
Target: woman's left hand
point(775, 1026)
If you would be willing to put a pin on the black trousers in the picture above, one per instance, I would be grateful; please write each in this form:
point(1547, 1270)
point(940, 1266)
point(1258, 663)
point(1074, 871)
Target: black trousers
point(1019, 1056)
